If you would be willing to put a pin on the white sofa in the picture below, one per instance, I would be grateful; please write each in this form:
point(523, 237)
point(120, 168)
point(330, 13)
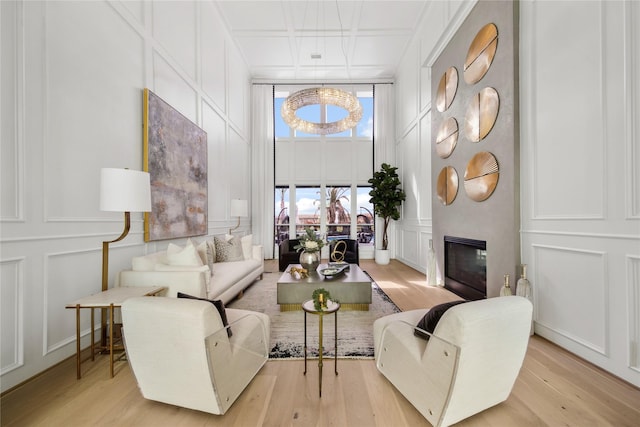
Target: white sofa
point(206, 279)
point(469, 364)
point(181, 354)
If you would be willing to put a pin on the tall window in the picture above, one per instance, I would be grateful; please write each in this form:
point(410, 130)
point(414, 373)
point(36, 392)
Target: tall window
point(321, 180)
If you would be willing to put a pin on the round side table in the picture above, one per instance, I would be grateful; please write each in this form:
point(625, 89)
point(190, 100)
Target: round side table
point(332, 307)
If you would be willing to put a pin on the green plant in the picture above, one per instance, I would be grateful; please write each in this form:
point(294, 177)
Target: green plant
point(326, 296)
point(386, 196)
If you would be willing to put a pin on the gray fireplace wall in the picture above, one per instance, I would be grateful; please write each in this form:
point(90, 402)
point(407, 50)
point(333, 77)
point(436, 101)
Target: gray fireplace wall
point(496, 219)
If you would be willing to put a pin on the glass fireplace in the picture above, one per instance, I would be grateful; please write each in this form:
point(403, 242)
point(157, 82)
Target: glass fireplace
point(465, 267)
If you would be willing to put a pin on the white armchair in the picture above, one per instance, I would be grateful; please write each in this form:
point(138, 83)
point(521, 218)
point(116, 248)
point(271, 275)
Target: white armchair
point(181, 354)
point(469, 364)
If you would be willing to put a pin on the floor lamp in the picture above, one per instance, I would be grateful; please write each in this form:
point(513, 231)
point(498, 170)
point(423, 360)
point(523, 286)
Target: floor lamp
point(238, 208)
point(121, 190)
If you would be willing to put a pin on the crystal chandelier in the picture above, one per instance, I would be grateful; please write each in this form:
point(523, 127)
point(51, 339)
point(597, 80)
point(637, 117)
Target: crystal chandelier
point(322, 96)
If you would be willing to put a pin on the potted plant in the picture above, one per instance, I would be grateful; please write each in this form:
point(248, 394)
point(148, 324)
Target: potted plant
point(386, 196)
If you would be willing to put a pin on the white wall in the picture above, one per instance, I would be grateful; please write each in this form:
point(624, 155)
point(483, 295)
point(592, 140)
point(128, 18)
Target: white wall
point(580, 169)
point(72, 75)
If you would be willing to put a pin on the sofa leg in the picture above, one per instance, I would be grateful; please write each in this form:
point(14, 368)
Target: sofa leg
point(261, 276)
point(240, 294)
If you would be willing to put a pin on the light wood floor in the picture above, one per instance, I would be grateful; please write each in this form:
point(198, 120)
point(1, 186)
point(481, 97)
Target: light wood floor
point(554, 388)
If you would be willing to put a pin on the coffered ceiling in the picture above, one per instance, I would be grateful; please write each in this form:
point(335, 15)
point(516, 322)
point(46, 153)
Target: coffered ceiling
point(355, 40)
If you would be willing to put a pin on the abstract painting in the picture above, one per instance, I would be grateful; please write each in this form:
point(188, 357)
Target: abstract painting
point(175, 155)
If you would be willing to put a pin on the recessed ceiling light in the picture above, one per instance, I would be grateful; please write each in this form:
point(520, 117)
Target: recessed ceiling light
point(316, 56)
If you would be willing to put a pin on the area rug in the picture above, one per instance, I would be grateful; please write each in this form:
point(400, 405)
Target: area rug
point(355, 328)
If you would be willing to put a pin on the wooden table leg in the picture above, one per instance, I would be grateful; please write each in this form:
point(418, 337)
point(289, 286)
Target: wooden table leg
point(305, 343)
point(78, 341)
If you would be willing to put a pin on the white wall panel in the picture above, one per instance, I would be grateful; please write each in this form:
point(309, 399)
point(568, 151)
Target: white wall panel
point(633, 293)
point(425, 184)
point(68, 277)
point(12, 315)
point(238, 173)
point(93, 102)
point(363, 161)
point(175, 26)
point(632, 58)
point(410, 174)
point(214, 125)
point(11, 117)
point(238, 92)
point(173, 89)
point(571, 80)
point(571, 294)
point(213, 61)
point(406, 89)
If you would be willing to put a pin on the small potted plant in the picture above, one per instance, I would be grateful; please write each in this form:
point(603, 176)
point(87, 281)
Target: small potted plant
point(386, 197)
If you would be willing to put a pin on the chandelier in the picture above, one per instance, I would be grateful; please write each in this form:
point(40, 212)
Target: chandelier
point(322, 96)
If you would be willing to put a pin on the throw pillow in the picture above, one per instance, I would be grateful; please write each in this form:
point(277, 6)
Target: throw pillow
point(211, 253)
point(218, 304)
point(247, 244)
point(202, 252)
point(228, 251)
point(183, 256)
point(432, 317)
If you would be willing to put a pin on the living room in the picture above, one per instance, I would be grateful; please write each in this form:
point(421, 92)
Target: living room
point(72, 80)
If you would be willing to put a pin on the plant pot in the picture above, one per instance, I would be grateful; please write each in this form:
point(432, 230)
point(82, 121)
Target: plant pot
point(382, 256)
point(310, 261)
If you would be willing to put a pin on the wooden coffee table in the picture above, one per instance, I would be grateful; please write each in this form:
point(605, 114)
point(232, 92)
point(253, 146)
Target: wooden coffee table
point(351, 288)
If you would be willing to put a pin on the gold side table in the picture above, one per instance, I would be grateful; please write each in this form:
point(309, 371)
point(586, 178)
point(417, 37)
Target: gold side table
point(332, 307)
point(109, 299)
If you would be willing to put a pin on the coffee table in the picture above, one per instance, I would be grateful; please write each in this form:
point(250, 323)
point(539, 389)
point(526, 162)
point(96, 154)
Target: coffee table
point(351, 288)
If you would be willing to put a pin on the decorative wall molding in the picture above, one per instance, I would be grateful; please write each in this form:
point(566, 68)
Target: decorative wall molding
point(633, 321)
point(561, 286)
point(582, 234)
point(18, 124)
point(12, 300)
point(632, 108)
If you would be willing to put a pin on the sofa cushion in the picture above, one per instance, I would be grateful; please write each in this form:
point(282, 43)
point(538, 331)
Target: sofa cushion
point(148, 262)
point(183, 256)
point(218, 304)
point(228, 251)
point(247, 243)
point(432, 317)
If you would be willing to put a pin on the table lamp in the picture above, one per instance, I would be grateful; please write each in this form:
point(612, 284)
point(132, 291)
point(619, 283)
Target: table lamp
point(238, 208)
point(122, 190)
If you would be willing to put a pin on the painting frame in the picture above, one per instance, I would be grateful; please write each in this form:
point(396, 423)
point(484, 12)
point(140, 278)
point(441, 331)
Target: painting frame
point(175, 155)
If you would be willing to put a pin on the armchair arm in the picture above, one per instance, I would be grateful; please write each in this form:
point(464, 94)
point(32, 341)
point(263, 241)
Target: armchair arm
point(423, 371)
point(189, 282)
point(233, 362)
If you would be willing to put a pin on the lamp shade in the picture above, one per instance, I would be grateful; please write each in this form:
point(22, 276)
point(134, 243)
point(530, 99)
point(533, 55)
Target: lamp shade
point(239, 208)
point(125, 190)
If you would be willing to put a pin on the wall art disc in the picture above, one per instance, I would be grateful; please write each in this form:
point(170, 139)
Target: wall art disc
point(482, 114)
point(447, 137)
point(481, 53)
point(447, 89)
point(481, 176)
point(447, 186)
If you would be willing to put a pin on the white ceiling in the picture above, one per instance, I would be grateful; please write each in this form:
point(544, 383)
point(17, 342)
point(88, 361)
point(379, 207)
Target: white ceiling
point(277, 38)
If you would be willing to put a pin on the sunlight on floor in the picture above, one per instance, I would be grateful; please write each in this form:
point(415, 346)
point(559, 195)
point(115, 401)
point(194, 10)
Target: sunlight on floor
point(385, 284)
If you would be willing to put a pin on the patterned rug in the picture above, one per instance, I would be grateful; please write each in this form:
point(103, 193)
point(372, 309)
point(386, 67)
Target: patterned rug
point(355, 328)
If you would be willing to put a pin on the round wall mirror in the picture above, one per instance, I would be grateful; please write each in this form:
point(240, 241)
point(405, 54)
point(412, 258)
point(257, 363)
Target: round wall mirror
point(481, 53)
point(482, 113)
point(481, 176)
point(447, 186)
point(447, 89)
point(447, 137)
